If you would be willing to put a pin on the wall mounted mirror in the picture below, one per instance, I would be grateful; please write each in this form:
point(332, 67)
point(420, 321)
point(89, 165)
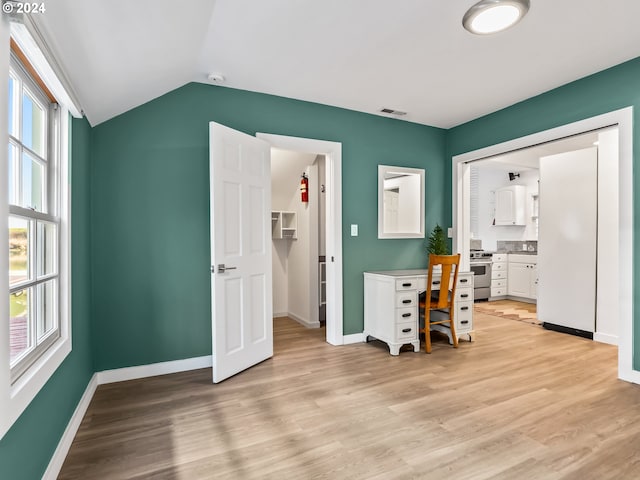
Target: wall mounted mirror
point(400, 202)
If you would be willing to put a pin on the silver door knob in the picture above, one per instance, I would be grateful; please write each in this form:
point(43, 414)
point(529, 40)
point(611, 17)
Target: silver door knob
point(222, 268)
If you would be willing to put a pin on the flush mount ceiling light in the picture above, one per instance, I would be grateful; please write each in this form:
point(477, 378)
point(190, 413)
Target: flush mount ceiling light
point(491, 16)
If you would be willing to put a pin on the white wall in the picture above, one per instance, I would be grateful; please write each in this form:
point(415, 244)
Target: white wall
point(295, 262)
point(489, 180)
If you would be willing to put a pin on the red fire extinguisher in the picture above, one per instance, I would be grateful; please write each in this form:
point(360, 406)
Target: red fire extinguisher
point(304, 188)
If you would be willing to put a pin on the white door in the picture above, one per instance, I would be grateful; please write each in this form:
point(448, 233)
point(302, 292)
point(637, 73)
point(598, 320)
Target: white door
point(567, 239)
point(240, 189)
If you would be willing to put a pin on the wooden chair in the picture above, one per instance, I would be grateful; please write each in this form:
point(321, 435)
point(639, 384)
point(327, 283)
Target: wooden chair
point(442, 300)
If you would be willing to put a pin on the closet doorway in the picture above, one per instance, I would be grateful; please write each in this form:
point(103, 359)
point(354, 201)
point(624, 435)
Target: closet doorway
point(307, 236)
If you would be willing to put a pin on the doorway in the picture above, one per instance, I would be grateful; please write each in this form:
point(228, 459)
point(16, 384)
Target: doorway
point(620, 212)
point(298, 228)
point(332, 154)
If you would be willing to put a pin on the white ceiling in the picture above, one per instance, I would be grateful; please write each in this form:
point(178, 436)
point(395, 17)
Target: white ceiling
point(410, 55)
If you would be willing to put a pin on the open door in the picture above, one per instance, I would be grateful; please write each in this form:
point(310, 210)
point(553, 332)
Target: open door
point(240, 190)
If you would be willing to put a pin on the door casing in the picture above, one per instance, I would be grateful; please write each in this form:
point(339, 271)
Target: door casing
point(623, 119)
point(333, 154)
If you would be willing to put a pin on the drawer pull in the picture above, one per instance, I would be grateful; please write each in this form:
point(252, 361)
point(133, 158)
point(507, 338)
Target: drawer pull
point(405, 315)
point(436, 282)
point(406, 301)
point(464, 322)
point(463, 280)
point(464, 308)
point(464, 295)
point(406, 330)
point(406, 284)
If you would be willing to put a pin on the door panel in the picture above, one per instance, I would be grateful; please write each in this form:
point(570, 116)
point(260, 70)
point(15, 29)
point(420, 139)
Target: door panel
point(240, 182)
point(567, 239)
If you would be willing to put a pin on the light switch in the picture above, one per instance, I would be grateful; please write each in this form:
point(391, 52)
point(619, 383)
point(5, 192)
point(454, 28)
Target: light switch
point(354, 230)
point(450, 232)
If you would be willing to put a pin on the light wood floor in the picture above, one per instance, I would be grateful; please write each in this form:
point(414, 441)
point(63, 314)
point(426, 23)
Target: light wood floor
point(519, 402)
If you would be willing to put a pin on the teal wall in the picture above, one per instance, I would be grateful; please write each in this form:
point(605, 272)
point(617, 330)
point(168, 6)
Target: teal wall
point(150, 206)
point(609, 90)
point(26, 449)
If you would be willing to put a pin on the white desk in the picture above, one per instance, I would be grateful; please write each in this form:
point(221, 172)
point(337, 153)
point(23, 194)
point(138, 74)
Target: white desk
point(391, 306)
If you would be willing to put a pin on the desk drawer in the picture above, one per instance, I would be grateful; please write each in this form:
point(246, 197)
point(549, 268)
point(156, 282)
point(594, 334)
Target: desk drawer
point(406, 299)
point(464, 294)
point(406, 284)
point(404, 315)
point(406, 331)
point(464, 316)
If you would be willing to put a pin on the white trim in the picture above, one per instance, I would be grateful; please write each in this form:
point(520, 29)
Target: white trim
point(605, 338)
point(354, 338)
point(59, 456)
point(32, 43)
point(280, 314)
point(632, 376)
point(303, 322)
point(623, 118)
point(153, 369)
point(333, 153)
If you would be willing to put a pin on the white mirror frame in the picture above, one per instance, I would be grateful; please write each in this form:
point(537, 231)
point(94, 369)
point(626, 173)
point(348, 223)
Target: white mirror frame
point(382, 172)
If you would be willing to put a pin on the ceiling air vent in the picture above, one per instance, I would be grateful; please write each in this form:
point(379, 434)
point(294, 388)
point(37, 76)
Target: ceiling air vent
point(391, 111)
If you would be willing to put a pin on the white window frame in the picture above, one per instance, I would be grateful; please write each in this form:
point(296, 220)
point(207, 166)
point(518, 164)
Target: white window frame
point(17, 394)
point(50, 160)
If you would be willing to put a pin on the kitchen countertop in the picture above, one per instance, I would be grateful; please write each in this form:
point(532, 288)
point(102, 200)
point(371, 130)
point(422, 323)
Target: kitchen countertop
point(518, 252)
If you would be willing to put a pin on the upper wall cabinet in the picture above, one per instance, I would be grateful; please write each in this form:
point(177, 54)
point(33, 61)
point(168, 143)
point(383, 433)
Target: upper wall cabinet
point(400, 202)
point(510, 206)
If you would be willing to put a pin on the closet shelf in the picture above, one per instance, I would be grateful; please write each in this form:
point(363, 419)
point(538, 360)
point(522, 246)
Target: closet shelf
point(284, 225)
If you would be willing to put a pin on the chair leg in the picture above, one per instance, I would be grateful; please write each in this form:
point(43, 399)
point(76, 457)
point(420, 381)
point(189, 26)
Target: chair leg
point(427, 330)
point(454, 337)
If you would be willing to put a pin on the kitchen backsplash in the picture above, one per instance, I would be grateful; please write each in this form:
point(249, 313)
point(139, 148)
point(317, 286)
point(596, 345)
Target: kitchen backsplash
point(517, 245)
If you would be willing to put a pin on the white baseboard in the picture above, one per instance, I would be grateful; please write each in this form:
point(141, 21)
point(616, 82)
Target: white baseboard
point(163, 368)
point(280, 314)
point(56, 462)
point(605, 338)
point(632, 376)
point(353, 338)
point(303, 322)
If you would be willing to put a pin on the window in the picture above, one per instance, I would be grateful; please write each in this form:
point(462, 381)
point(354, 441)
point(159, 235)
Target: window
point(35, 297)
point(34, 220)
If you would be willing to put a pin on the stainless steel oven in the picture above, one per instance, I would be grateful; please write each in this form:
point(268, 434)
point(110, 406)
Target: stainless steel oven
point(480, 265)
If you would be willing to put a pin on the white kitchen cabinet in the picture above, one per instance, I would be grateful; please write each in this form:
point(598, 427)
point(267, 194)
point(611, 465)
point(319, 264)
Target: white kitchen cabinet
point(522, 276)
point(499, 276)
point(510, 206)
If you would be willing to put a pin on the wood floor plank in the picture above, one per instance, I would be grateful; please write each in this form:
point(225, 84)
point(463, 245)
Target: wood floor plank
point(519, 402)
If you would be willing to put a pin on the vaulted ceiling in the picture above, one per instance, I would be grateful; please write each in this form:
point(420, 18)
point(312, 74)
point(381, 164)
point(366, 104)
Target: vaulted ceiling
point(409, 55)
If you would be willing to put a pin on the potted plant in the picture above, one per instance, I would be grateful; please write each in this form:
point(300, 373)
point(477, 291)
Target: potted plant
point(438, 242)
